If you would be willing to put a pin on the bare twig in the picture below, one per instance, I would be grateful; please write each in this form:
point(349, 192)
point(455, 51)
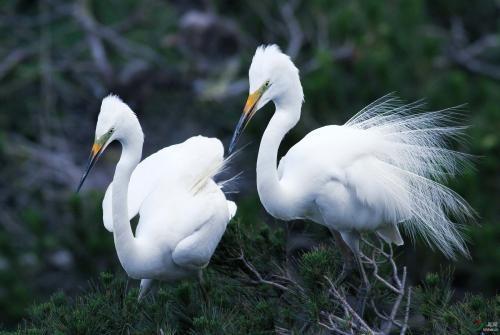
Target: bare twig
point(333, 327)
point(55, 165)
point(469, 56)
point(15, 57)
point(347, 320)
point(98, 33)
point(257, 275)
point(84, 17)
point(397, 302)
point(267, 20)
point(295, 34)
point(377, 276)
point(348, 307)
point(127, 46)
point(404, 328)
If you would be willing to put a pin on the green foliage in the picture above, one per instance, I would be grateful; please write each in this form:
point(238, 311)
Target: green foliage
point(83, 235)
point(50, 97)
point(318, 263)
point(445, 315)
point(110, 305)
point(234, 306)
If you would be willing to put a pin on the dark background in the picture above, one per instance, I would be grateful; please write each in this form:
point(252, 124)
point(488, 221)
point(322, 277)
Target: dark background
point(182, 67)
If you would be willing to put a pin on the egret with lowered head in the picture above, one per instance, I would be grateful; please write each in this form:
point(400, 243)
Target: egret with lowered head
point(183, 212)
point(378, 172)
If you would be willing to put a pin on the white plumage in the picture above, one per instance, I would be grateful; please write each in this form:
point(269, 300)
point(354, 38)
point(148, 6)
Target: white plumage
point(188, 163)
point(183, 212)
point(379, 171)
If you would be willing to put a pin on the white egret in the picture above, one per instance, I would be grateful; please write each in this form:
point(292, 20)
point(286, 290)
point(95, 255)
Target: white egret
point(378, 172)
point(183, 212)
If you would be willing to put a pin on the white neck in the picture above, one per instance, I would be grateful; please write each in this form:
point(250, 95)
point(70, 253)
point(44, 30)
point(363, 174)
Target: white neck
point(125, 243)
point(272, 193)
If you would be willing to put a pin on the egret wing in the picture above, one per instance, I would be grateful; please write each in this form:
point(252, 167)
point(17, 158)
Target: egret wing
point(145, 178)
point(196, 250)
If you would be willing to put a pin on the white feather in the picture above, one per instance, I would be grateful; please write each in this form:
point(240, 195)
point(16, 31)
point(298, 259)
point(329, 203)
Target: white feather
point(194, 162)
point(414, 149)
point(381, 169)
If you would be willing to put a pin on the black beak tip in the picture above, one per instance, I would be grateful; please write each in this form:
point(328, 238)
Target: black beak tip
point(90, 165)
point(80, 186)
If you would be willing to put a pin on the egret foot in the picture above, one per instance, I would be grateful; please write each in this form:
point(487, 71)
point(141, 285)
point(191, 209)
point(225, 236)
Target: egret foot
point(144, 288)
point(364, 290)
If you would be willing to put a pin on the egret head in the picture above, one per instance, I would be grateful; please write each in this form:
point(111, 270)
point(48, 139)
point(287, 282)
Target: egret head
point(272, 77)
point(116, 121)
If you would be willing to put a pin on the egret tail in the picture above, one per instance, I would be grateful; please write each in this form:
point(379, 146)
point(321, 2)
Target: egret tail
point(413, 157)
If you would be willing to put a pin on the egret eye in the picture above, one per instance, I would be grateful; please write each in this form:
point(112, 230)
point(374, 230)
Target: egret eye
point(111, 131)
point(267, 83)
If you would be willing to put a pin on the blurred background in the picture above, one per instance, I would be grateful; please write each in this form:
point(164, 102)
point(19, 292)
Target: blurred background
point(182, 67)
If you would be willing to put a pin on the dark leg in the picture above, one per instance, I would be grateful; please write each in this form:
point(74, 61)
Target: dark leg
point(144, 288)
point(364, 290)
point(347, 256)
point(352, 240)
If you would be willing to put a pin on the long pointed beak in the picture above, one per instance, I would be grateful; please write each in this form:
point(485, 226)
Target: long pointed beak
point(248, 112)
point(94, 156)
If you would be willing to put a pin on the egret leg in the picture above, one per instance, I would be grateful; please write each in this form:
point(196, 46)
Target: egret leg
point(144, 288)
point(347, 257)
point(352, 240)
point(203, 285)
point(364, 290)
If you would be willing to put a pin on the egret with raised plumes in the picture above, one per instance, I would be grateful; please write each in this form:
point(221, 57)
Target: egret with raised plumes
point(379, 172)
point(183, 212)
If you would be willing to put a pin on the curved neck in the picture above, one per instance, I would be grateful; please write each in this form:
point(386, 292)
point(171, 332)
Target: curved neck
point(271, 191)
point(125, 243)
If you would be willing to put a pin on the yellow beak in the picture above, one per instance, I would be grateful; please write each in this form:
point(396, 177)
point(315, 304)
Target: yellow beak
point(248, 112)
point(96, 147)
point(252, 101)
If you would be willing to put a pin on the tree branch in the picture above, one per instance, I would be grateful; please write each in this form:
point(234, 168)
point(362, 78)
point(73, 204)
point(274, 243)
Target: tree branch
point(469, 56)
point(257, 275)
point(335, 320)
point(295, 34)
point(84, 17)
